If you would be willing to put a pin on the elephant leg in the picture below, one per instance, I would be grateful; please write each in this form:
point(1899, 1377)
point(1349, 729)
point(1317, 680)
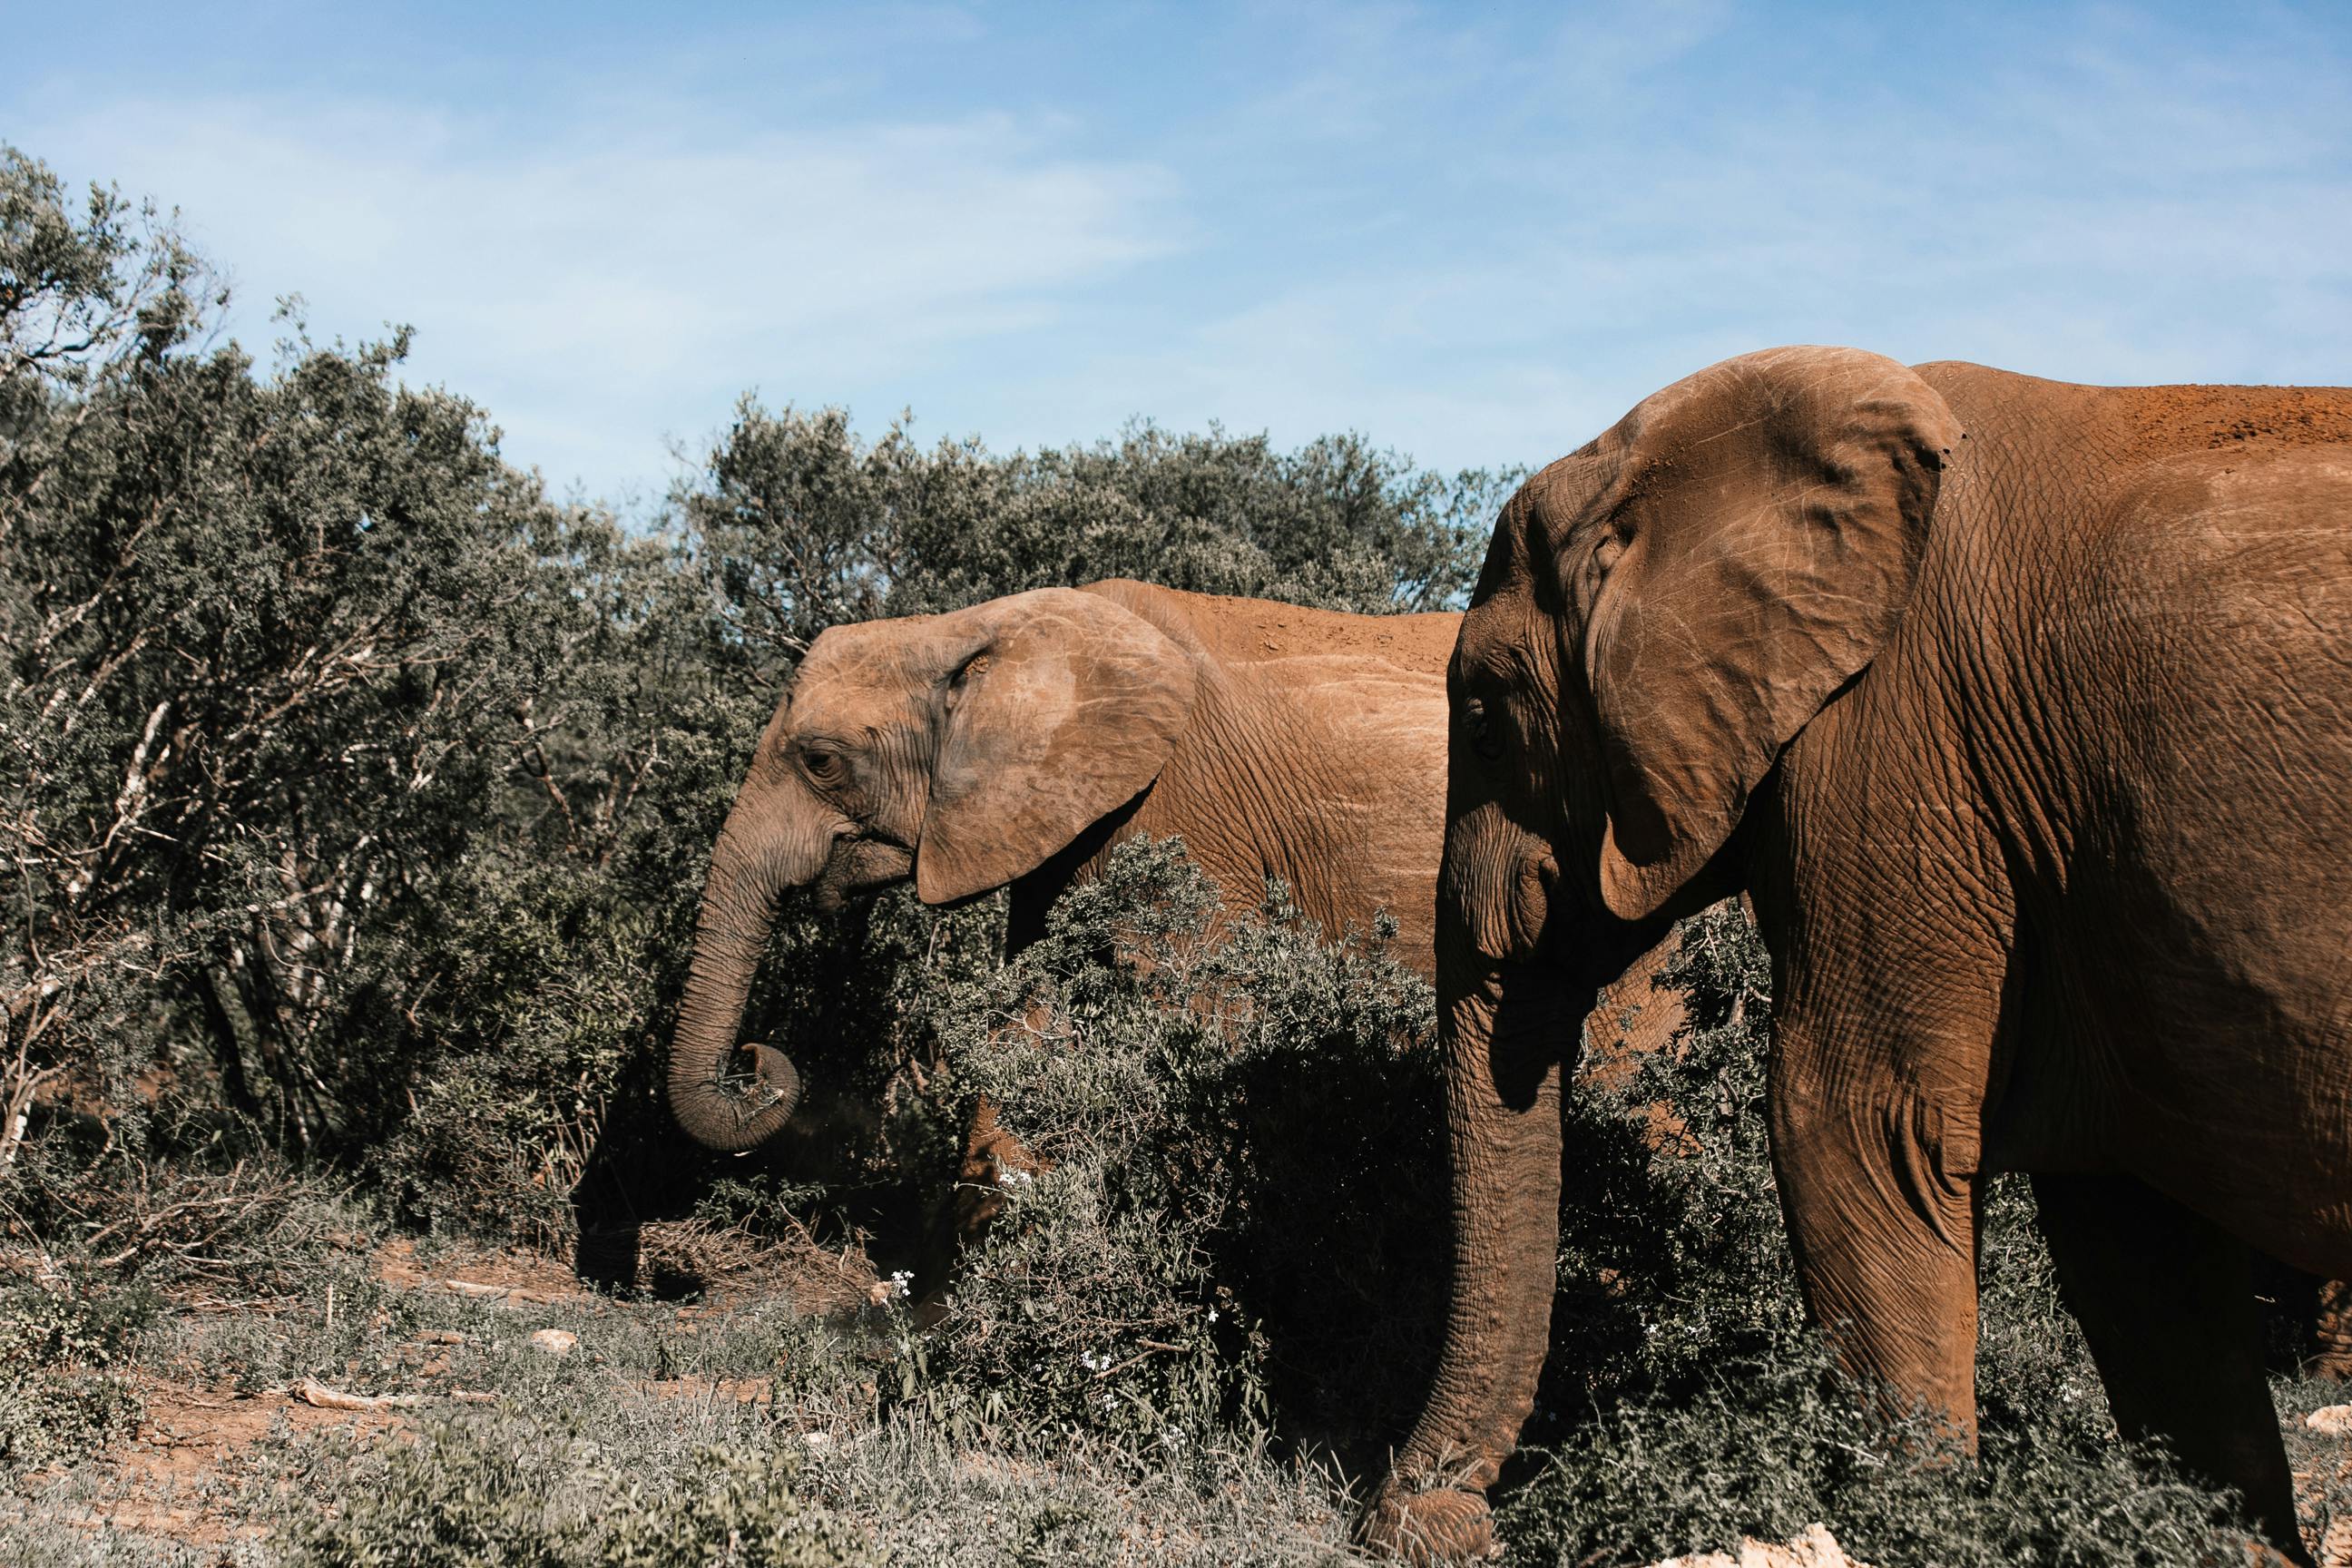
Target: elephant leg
point(2164, 1299)
point(1881, 1212)
point(2331, 1334)
point(991, 1155)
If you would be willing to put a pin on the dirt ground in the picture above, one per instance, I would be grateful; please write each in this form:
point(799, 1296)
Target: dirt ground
point(187, 1473)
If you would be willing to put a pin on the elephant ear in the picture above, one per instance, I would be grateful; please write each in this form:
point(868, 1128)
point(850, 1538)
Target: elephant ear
point(1770, 513)
point(1065, 710)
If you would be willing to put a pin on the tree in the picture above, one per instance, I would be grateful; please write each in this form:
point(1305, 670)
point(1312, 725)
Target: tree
point(801, 525)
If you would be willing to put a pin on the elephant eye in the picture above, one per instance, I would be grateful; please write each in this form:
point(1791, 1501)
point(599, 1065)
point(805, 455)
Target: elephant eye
point(1486, 734)
point(824, 766)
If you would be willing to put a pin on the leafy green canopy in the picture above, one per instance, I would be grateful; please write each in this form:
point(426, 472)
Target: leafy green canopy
point(804, 526)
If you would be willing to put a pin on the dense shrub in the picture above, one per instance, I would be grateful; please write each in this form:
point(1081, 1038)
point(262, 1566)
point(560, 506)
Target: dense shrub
point(1770, 1445)
point(1240, 1188)
point(371, 790)
point(803, 525)
point(63, 1342)
point(283, 656)
point(504, 1492)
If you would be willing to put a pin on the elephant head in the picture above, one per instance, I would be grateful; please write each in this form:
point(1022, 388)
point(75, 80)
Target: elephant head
point(1659, 615)
point(962, 750)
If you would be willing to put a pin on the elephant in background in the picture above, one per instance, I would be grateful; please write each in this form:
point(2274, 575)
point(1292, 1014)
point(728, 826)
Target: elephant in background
point(2022, 711)
point(1012, 744)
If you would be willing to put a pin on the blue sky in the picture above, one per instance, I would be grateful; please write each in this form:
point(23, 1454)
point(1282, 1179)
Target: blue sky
point(1475, 233)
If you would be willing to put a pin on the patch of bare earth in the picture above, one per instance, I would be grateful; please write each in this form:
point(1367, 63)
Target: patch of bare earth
point(483, 1274)
point(187, 1473)
point(729, 1267)
point(178, 1476)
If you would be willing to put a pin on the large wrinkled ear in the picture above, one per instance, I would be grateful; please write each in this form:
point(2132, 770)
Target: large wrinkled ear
point(1064, 713)
point(1770, 515)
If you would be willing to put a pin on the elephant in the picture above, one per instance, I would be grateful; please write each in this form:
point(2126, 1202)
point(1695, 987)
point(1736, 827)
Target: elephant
point(2023, 712)
point(1011, 744)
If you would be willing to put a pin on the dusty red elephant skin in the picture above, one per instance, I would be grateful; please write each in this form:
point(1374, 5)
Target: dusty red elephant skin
point(2021, 710)
point(1012, 744)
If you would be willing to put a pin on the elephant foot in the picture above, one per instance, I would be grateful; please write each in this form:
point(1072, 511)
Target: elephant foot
point(1444, 1525)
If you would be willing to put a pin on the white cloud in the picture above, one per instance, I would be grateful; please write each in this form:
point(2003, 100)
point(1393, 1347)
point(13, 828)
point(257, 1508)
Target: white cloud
point(604, 287)
point(1476, 238)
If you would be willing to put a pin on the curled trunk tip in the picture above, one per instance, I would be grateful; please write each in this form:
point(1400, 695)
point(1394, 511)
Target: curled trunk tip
point(730, 1116)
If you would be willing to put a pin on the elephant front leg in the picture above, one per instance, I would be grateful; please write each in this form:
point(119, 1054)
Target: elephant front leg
point(962, 1215)
point(2331, 1334)
point(1881, 1207)
point(2164, 1299)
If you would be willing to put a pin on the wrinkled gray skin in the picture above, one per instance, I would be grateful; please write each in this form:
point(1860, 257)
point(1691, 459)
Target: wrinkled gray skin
point(1012, 743)
point(2024, 711)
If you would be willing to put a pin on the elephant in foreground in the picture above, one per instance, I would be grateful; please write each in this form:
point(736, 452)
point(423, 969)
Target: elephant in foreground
point(2022, 711)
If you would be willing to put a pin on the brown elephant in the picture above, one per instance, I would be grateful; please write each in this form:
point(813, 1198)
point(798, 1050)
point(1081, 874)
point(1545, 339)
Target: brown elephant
point(2023, 712)
point(1012, 743)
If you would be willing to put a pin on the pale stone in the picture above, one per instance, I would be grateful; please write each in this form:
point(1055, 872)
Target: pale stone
point(1816, 1548)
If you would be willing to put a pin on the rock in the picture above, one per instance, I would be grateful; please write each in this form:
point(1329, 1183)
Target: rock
point(1816, 1548)
point(554, 1342)
point(2335, 1420)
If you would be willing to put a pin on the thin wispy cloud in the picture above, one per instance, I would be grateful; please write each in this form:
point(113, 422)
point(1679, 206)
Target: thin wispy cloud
point(606, 286)
point(1477, 235)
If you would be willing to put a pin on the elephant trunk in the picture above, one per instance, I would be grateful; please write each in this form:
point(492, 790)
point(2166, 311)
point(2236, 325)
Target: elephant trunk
point(1504, 1048)
point(737, 911)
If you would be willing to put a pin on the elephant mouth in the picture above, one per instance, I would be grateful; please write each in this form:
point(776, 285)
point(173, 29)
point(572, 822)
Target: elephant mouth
point(861, 865)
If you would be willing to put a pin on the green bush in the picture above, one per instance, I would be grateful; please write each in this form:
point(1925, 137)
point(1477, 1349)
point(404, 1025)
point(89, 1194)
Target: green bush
point(1239, 1137)
point(518, 1492)
point(1770, 1446)
point(371, 789)
point(742, 1509)
point(63, 1345)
